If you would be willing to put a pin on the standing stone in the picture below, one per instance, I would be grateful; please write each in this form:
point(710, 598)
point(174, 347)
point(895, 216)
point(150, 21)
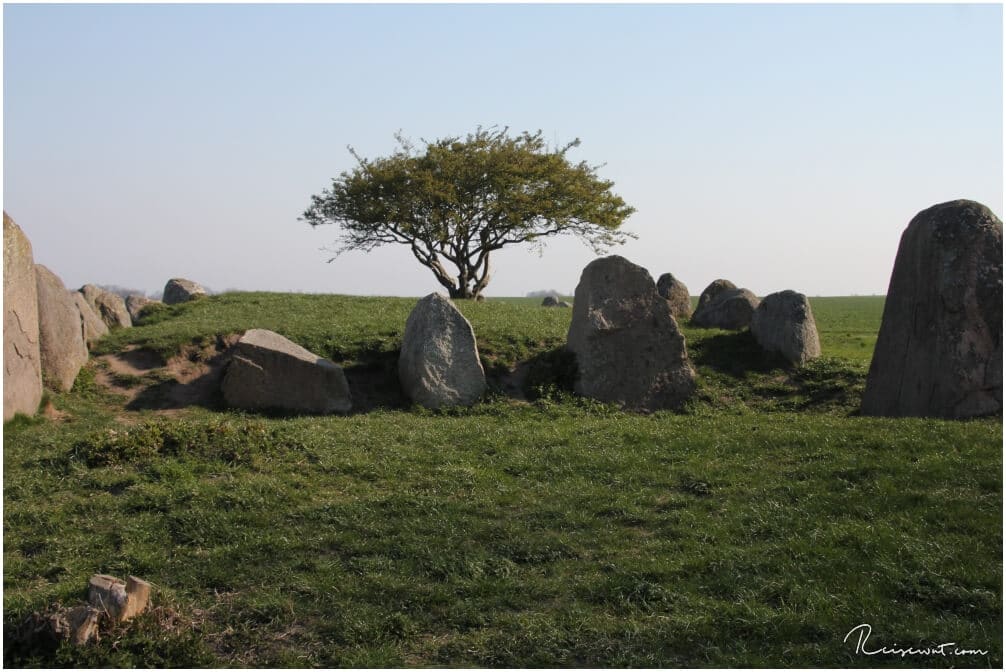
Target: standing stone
point(268, 371)
point(627, 344)
point(91, 325)
point(135, 303)
point(61, 340)
point(439, 365)
point(22, 361)
point(107, 306)
point(784, 323)
point(724, 306)
point(180, 290)
point(939, 350)
point(677, 296)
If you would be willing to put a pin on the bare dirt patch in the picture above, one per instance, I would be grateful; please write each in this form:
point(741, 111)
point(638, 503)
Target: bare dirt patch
point(191, 378)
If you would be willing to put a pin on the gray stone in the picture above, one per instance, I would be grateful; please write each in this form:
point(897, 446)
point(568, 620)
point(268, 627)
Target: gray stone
point(564, 304)
point(628, 347)
point(939, 350)
point(439, 364)
point(677, 296)
point(713, 290)
point(724, 306)
point(784, 323)
point(22, 360)
point(91, 325)
point(107, 306)
point(550, 301)
point(268, 371)
point(135, 303)
point(180, 290)
point(61, 340)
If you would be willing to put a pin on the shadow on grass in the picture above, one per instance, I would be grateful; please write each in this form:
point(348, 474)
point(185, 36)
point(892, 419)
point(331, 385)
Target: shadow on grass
point(735, 354)
point(734, 368)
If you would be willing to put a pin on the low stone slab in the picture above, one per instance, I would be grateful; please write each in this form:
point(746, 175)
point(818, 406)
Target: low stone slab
point(269, 371)
point(439, 364)
point(784, 323)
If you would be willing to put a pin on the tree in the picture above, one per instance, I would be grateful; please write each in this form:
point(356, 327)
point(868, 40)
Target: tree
point(459, 200)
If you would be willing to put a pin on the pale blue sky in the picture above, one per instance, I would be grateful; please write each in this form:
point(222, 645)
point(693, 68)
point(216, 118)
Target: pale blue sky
point(782, 147)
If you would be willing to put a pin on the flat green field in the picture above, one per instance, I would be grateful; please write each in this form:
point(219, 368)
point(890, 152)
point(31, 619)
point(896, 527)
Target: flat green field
point(756, 527)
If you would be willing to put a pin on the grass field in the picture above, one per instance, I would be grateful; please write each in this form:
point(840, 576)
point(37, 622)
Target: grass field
point(755, 528)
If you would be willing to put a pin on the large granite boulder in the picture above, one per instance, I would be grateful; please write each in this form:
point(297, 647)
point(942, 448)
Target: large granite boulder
point(713, 290)
point(723, 305)
point(268, 371)
point(90, 324)
point(107, 306)
point(135, 303)
point(22, 360)
point(180, 290)
point(628, 347)
point(61, 339)
point(439, 364)
point(939, 350)
point(677, 296)
point(784, 323)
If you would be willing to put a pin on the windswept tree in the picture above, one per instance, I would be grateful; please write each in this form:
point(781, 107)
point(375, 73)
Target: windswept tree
point(458, 200)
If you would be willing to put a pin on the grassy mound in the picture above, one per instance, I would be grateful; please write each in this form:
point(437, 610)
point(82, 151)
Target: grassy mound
point(755, 528)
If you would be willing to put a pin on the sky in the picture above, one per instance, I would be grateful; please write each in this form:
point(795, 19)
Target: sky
point(778, 146)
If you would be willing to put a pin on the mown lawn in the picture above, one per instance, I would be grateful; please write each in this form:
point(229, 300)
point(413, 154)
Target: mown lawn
point(755, 528)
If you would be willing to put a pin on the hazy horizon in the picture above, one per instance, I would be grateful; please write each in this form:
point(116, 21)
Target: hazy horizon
point(780, 147)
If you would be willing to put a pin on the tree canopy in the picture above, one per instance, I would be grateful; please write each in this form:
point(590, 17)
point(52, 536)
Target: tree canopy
point(460, 199)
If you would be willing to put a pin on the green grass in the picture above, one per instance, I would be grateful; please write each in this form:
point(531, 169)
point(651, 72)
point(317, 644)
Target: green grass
point(756, 528)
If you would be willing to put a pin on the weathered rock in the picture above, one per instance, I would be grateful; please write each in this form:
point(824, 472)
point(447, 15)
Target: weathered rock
point(61, 340)
point(713, 290)
point(564, 304)
point(550, 301)
point(439, 364)
point(628, 347)
point(180, 290)
point(90, 324)
point(135, 303)
point(939, 350)
point(22, 361)
point(784, 323)
point(120, 600)
point(107, 306)
point(724, 306)
point(677, 296)
point(268, 371)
